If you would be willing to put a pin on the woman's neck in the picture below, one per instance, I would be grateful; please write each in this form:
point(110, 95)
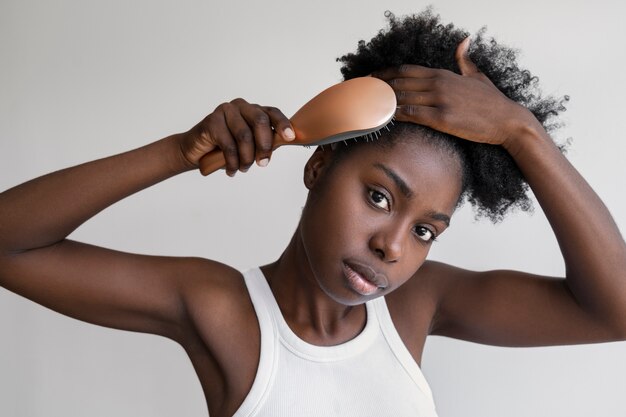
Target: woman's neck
point(308, 310)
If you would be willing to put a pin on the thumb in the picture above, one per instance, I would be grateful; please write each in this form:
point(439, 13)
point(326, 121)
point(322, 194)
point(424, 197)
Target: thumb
point(463, 60)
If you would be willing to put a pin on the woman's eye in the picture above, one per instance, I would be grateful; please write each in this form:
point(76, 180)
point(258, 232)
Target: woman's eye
point(424, 233)
point(379, 199)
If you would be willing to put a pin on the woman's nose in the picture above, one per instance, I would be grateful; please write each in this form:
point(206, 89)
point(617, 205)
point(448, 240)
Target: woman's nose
point(388, 245)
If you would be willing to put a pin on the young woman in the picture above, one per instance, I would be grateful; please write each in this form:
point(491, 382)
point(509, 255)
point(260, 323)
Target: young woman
point(336, 325)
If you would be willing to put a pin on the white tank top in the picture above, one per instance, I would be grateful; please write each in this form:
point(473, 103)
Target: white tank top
point(371, 375)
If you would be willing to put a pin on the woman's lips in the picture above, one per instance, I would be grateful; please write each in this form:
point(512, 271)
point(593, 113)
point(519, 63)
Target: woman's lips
point(363, 279)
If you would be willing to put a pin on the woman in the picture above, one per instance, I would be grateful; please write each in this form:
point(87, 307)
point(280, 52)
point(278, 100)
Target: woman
point(297, 335)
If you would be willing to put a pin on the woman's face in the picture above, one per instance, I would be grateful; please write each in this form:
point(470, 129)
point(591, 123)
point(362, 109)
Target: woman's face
point(369, 224)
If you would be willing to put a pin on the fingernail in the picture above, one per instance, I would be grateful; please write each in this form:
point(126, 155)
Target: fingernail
point(231, 173)
point(289, 134)
point(245, 169)
point(263, 162)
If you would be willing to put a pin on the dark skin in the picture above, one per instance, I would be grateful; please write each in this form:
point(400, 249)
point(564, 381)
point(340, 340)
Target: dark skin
point(367, 215)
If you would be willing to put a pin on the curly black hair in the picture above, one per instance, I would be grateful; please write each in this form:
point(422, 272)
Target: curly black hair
point(492, 182)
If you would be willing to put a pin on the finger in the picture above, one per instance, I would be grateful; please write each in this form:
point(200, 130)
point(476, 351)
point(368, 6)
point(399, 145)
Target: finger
point(463, 60)
point(281, 123)
point(405, 71)
point(260, 123)
point(411, 84)
point(242, 126)
point(404, 97)
point(242, 133)
point(218, 130)
point(422, 115)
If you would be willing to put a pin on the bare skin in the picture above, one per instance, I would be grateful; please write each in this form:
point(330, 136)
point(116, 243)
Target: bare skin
point(204, 305)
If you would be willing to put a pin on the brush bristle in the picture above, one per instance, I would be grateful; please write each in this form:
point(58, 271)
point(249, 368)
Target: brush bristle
point(371, 136)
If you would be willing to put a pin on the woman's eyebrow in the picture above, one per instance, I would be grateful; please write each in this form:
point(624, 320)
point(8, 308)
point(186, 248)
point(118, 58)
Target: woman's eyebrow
point(441, 217)
point(407, 192)
point(400, 183)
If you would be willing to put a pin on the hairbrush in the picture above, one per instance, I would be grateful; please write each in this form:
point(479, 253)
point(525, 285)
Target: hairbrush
point(360, 107)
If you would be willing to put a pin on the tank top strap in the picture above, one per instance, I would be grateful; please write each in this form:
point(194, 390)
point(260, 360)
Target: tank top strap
point(398, 347)
point(268, 358)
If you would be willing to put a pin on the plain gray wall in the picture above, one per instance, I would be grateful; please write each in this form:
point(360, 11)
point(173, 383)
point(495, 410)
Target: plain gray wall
point(81, 80)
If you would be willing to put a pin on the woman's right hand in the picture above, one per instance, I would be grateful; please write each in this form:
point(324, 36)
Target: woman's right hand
point(244, 132)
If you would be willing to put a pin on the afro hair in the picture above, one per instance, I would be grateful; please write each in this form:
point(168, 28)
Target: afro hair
point(492, 182)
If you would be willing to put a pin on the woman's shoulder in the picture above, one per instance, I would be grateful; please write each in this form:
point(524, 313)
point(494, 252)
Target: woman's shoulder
point(425, 285)
point(212, 286)
point(215, 299)
point(413, 306)
point(223, 338)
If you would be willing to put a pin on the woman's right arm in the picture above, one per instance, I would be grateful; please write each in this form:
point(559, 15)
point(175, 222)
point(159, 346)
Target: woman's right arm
point(107, 287)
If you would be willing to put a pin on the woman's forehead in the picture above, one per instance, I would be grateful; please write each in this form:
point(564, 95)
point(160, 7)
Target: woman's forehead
point(413, 167)
point(418, 154)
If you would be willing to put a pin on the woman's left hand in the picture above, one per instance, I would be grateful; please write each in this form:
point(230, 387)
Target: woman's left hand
point(468, 106)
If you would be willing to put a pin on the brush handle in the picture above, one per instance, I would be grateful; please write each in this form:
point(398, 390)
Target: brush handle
point(212, 161)
point(215, 160)
point(346, 110)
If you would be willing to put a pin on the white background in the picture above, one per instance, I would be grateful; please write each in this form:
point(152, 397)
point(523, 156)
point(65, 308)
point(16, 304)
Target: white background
point(82, 80)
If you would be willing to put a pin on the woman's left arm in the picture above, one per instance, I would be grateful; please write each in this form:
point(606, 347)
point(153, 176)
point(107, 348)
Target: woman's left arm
point(507, 307)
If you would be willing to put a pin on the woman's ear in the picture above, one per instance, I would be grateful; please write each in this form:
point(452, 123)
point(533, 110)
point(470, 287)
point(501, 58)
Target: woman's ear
point(315, 166)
